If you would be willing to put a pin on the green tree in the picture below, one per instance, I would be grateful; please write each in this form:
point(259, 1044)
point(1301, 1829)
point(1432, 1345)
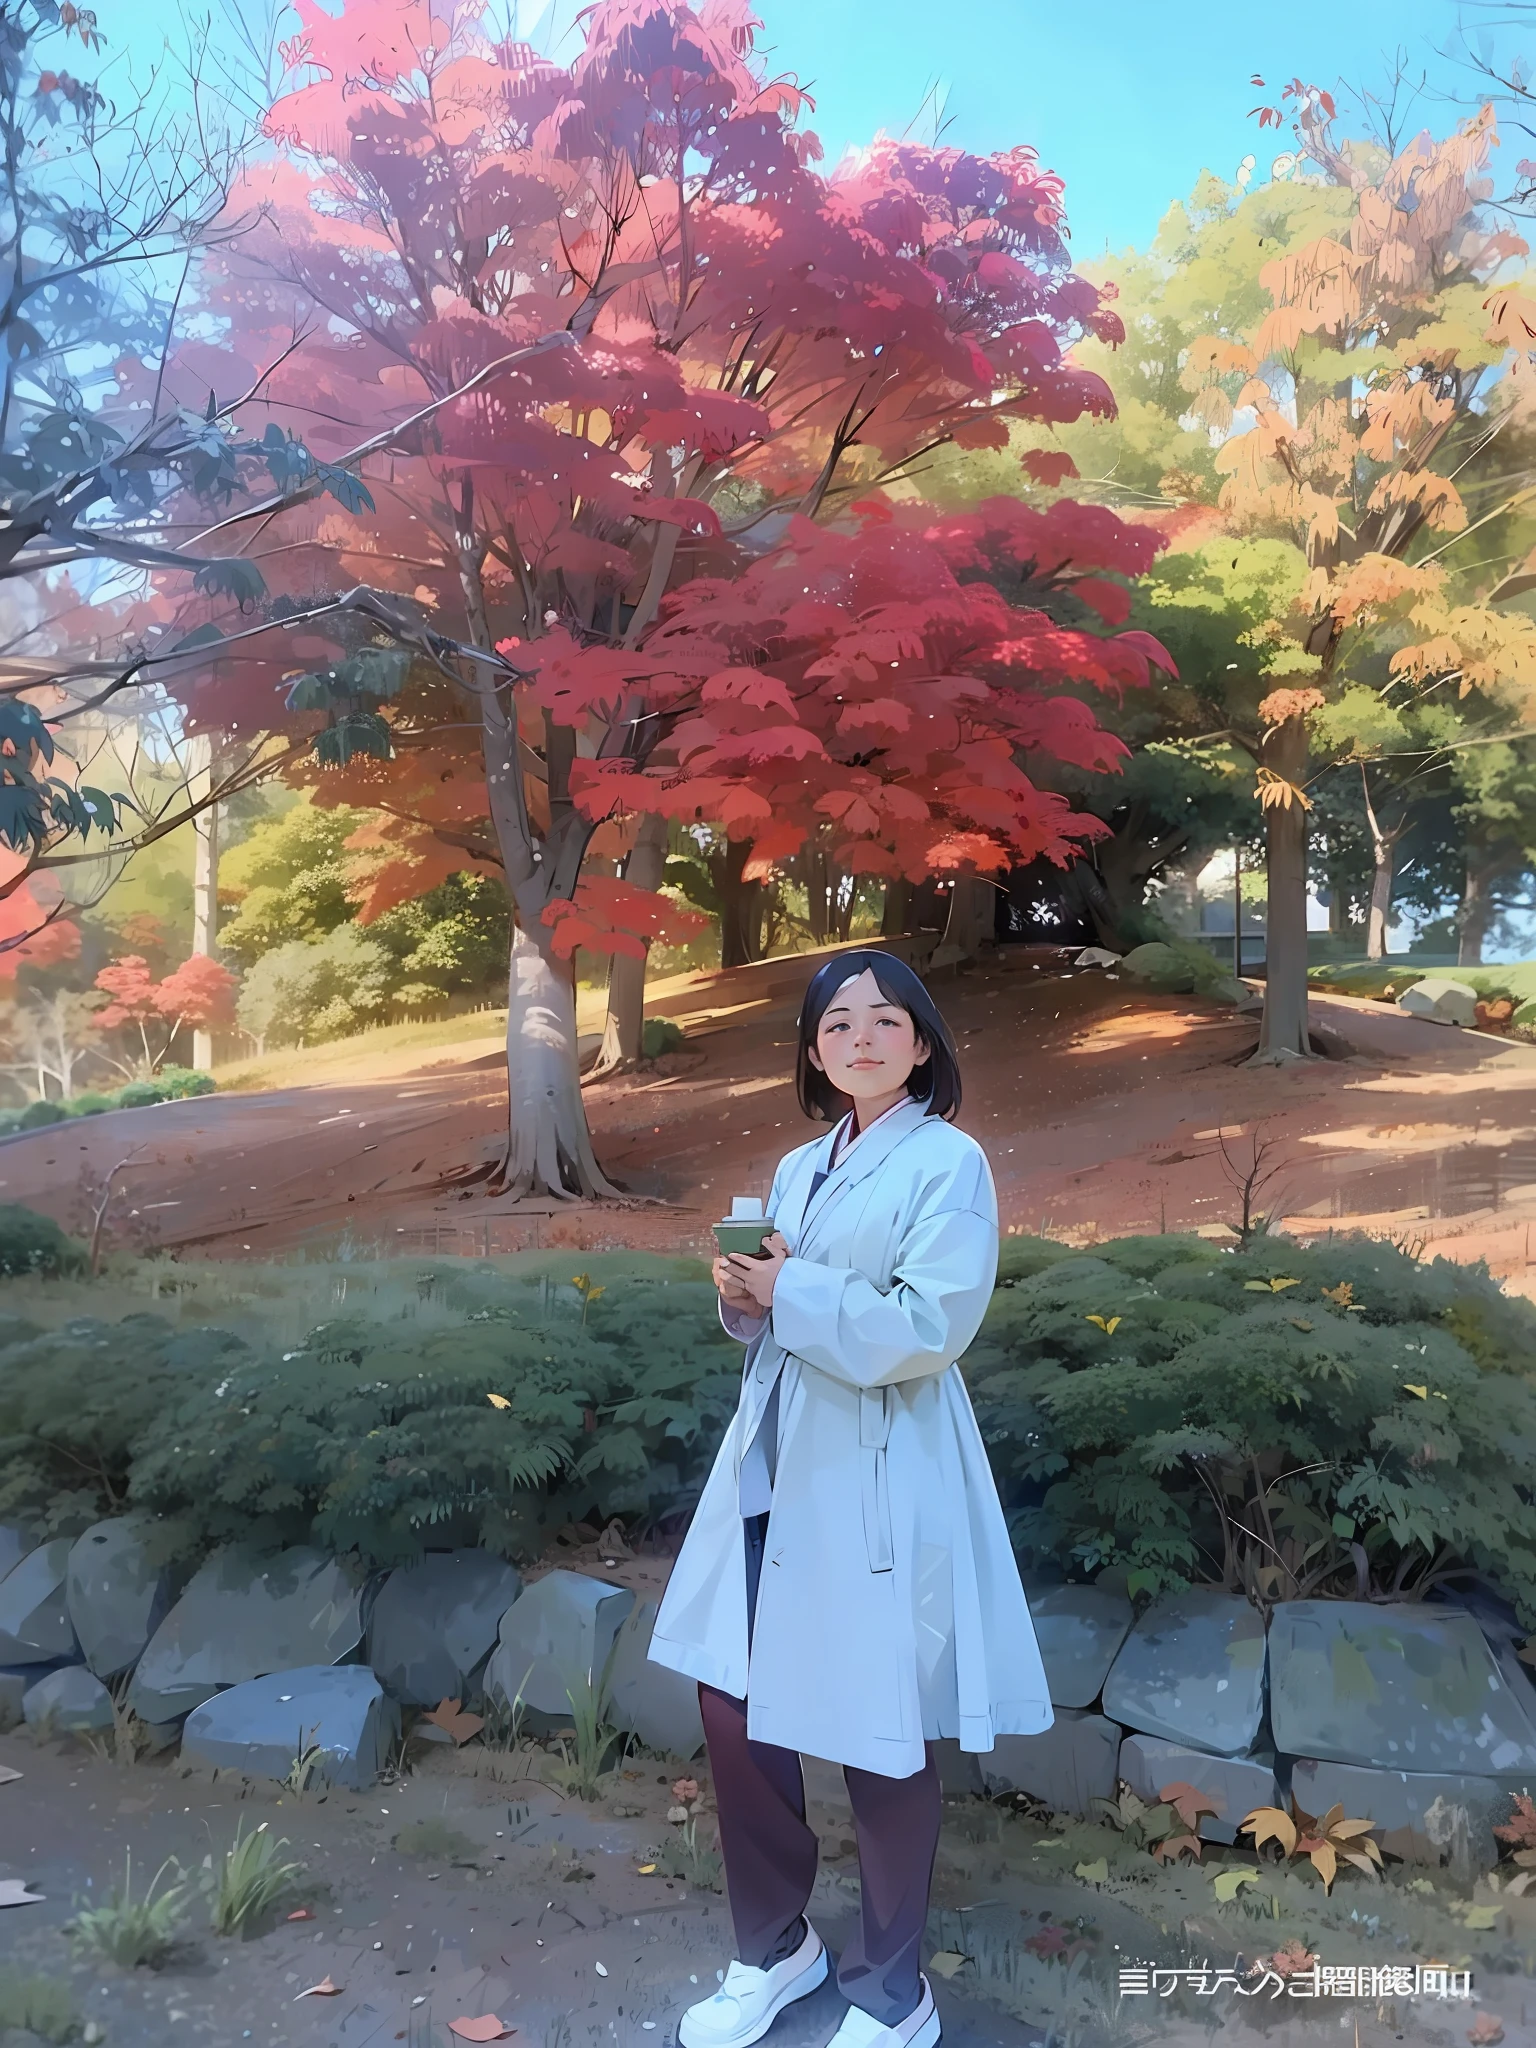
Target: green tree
point(312, 989)
point(290, 880)
point(451, 941)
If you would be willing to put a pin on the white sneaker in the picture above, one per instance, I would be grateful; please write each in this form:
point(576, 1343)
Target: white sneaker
point(749, 2001)
point(920, 2029)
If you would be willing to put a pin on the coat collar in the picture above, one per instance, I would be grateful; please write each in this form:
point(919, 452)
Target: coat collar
point(872, 1151)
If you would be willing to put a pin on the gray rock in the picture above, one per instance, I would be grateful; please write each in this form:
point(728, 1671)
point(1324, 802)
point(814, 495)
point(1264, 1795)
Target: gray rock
point(1440, 1000)
point(1068, 1767)
point(557, 1634)
point(658, 1705)
point(336, 1715)
point(1425, 1816)
point(16, 1681)
point(71, 1701)
point(1079, 1630)
point(1192, 1671)
point(1409, 1687)
point(116, 1597)
point(434, 1624)
point(34, 1621)
point(241, 1617)
point(1236, 1783)
point(1164, 967)
point(1096, 956)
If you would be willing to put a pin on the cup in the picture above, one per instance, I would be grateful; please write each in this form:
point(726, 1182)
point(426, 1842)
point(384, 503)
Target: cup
point(745, 1229)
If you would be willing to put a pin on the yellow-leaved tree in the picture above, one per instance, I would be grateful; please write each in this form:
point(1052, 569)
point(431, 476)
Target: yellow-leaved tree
point(1374, 415)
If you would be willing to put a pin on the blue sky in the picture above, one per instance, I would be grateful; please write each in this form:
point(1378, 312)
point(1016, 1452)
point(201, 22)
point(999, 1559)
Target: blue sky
point(1128, 99)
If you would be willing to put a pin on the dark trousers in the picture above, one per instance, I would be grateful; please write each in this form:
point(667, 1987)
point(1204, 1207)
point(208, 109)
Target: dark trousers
point(770, 1850)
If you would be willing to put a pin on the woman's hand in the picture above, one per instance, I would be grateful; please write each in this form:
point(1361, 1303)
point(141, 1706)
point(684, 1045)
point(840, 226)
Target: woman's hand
point(729, 1286)
point(757, 1277)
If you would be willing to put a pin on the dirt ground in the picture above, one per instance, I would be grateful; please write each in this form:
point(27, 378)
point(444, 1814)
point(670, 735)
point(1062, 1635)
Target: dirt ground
point(1104, 1109)
point(462, 1888)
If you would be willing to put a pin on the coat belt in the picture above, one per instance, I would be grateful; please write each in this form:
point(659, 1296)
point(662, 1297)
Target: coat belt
point(874, 1435)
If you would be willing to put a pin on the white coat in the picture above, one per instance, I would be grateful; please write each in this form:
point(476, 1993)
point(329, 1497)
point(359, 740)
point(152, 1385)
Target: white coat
point(890, 1610)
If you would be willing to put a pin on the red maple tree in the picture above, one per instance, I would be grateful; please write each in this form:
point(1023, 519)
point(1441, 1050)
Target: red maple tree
point(603, 346)
point(200, 993)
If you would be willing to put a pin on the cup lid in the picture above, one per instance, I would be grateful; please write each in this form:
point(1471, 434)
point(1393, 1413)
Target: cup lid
point(746, 1209)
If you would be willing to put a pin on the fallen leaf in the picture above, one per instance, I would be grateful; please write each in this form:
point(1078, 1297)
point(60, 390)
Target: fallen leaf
point(1481, 1917)
point(947, 1962)
point(1486, 2030)
point(7, 1775)
point(13, 1892)
point(1300, 1323)
point(1096, 1872)
point(486, 2028)
point(1420, 1393)
point(498, 1400)
point(1108, 1324)
point(1226, 1884)
point(324, 1989)
point(303, 1913)
point(461, 1726)
point(647, 1870)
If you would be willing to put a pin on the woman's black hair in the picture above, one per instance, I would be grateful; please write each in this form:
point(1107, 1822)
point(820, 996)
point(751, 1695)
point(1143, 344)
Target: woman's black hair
point(935, 1082)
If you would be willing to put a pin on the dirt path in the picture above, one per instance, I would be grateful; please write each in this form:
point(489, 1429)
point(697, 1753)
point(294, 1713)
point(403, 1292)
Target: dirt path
point(1102, 1109)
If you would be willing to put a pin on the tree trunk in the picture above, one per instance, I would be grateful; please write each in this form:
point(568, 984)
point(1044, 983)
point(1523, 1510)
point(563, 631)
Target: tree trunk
point(896, 912)
point(646, 868)
point(972, 912)
point(550, 1148)
point(1381, 902)
point(1476, 912)
point(740, 908)
point(1283, 1035)
point(205, 876)
point(817, 895)
point(1099, 903)
point(1383, 854)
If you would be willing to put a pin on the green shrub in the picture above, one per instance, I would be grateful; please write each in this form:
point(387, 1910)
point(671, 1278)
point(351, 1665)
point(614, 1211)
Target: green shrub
point(91, 1103)
point(1283, 1421)
point(372, 1437)
point(75, 1403)
point(141, 1095)
point(180, 1083)
point(38, 1115)
point(659, 1035)
point(30, 1243)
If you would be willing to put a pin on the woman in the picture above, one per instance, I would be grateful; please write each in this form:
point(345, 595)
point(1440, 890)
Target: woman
point(847, 1588)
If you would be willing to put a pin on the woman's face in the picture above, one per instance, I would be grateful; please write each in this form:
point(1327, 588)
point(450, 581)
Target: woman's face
point(866, 1045)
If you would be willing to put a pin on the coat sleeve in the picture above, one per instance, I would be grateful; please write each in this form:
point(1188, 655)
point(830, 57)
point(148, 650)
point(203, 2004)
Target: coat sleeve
point(945, 1269)
point(735, 1321)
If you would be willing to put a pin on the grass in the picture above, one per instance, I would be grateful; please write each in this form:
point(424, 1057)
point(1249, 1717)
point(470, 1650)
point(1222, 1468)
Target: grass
point(35, 2005)
point(1378, 978)
point(130, 1737)
point(683, 1856)
point(591, 1741)
point(279, 1301)
point(393, 1045)
point(134, 1932)
point(252, 1880)
point(1072, 1999)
